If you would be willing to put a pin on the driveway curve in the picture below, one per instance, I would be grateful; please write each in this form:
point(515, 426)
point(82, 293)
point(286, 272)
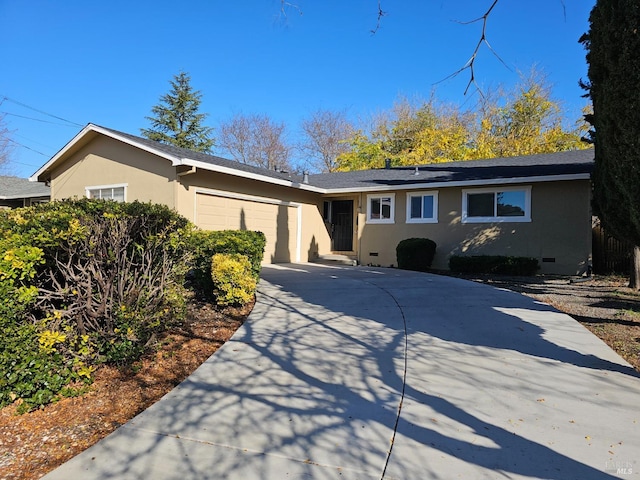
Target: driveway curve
point(369, 373)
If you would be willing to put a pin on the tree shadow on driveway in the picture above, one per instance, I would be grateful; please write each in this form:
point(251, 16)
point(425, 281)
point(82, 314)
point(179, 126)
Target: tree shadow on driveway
point(379, 373)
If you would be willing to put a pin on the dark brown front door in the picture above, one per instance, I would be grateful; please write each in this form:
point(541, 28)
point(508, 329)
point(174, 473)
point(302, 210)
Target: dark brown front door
point(342, 225)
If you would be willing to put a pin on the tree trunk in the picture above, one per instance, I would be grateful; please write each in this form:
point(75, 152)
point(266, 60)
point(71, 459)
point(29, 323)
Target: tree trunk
point(634, 281)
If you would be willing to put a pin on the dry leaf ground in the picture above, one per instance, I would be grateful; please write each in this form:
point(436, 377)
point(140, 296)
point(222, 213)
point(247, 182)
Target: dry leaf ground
point(35, 443)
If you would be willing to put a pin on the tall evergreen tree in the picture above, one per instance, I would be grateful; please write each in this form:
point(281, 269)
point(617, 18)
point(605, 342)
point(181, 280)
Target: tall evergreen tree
point(613, 45)
point(176, 120)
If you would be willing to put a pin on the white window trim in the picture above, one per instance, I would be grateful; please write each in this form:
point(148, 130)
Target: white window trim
point(392, 196)
point(432, 193)
point(87, 190)
point(527, 205)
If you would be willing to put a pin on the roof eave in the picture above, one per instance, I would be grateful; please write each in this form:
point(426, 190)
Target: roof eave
point(464, 183)
point(38, 175)
point(19, 196)
point(175, 161)
point(250, 175)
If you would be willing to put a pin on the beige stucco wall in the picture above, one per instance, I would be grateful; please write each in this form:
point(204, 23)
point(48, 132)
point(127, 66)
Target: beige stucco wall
point(560, 229)
point(314, 238)
point(105, 161)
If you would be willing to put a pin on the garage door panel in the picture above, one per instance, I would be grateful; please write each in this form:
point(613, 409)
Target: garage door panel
point(277, 222)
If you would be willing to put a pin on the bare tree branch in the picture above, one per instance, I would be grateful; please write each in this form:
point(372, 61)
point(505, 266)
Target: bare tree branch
point(470, 64)
point(284, 5)
point(381, 13)
point(256, 140)
point(5, 140)
point(325, 136)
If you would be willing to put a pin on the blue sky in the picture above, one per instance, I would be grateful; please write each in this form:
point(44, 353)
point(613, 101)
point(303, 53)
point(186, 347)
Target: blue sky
point(109, 62)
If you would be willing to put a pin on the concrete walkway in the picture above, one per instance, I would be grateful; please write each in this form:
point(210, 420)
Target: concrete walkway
point(365, 373)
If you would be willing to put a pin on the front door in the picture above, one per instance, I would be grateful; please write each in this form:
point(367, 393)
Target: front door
point(342, 225)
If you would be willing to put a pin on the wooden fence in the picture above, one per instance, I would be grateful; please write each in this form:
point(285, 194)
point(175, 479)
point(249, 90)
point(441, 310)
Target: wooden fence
point(610, 255)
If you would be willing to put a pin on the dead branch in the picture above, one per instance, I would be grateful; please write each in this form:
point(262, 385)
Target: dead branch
point(470, 64)
point(381, 13)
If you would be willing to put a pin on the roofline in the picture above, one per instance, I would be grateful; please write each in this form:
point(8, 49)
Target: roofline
point(175, 161)
point(253, 176)
point(466, 183)
point(19, 196)
point(95, 128)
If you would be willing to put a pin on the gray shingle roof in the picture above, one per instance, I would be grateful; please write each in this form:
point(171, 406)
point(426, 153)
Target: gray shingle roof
point(542, 165)
point(203, 157)
point(472, 172)
point(561, 163)
point(16, 187)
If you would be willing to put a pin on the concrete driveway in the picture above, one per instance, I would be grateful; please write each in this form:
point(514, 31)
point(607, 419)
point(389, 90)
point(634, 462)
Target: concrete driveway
point(366, 373)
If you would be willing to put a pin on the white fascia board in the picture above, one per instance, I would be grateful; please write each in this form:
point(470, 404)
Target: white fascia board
point(253, 176)
point(467, 183)
point(173, 159)
point(61, 152)
point(19, 196)
point(95, 128)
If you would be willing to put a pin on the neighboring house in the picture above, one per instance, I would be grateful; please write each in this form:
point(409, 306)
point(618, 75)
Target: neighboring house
point(20, 192)
point(537, 206)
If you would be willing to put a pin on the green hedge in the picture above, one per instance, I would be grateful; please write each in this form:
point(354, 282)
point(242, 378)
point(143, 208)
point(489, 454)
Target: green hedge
point(83, 282)
point(205, 244)
point(415, 254)
point(494, 264)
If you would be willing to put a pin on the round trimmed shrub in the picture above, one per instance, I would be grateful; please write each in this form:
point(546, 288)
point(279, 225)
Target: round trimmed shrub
point(415, 254)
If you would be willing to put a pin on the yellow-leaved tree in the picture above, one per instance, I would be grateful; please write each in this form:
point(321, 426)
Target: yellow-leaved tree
point(523, 121)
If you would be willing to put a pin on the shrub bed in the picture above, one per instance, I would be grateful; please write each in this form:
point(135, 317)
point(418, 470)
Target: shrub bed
point(85, 282)
point(494, 264)
point(205, 244)
point(415, 254)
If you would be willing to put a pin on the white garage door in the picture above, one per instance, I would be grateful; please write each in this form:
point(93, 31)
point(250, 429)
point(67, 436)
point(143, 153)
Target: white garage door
point(279, 222)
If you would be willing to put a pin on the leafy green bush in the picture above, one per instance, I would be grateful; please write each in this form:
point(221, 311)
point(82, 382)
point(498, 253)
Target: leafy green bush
point(87, 281)
point(415, 254)
point(205, 244)
point(494, 264)
point(233, 280)
point(83, 282)
point(39, 364)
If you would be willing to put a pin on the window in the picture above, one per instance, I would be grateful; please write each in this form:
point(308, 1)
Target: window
point(108, 192)
point(422, 207)
point(512, 204)
point(381, 208)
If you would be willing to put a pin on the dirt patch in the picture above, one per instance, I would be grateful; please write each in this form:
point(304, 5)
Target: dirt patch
point(35, 443)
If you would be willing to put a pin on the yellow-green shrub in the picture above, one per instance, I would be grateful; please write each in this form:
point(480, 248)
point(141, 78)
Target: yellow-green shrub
point(83, 282)
point(205, 244)
point(233, 281)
